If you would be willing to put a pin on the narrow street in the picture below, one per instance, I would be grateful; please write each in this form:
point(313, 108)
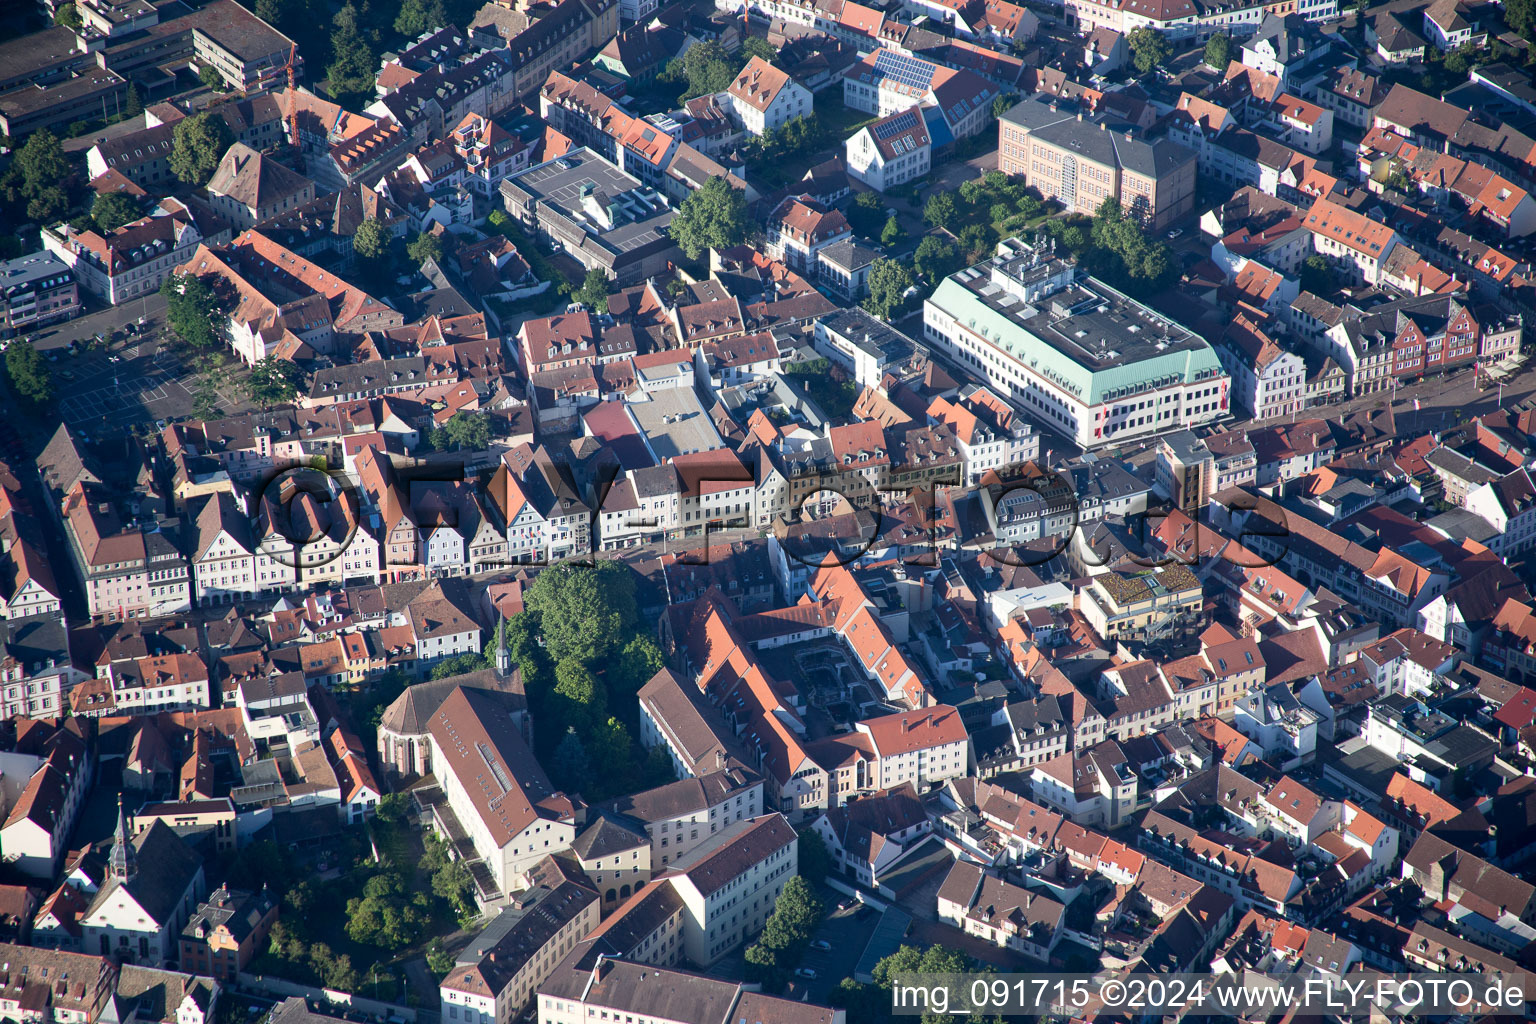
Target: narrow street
point(35, 435)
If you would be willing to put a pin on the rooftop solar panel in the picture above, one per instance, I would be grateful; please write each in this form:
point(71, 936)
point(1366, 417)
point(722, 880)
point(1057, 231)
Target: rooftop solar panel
point(907, 70)
point(895, 126)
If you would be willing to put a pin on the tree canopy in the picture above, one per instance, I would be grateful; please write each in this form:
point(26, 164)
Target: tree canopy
point(866, 213)
point(1218, 52)
point(417, 16)
point(582, 648)
point(757, 46)
point(593, 292)
point(273, 381)
point(888, 283)
point(866, 1004)
point(470, 431)
point(713, 217)
point(36, 177)
point(112, 210)
point(370, 241)
point(30, 376)
point(197, 145)
point(425, 246)
point(796, 914)
point(707, 68)
point(1123, 255)
point(940, 211)
point(350, 76)
point(193, 310)
point(935, 259)
point(1148, 48)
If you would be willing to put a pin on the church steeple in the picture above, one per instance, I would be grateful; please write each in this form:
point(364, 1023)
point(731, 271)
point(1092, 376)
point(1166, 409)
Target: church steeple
point(122, 863)
point(503, 654)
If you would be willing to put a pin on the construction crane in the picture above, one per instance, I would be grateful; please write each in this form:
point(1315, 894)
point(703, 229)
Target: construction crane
point(291, 115)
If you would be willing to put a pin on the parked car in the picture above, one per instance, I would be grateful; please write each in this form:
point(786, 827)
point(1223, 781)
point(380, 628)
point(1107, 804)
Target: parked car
point(804, 972)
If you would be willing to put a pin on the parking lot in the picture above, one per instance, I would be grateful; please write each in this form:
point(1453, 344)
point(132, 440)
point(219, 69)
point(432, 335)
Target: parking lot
point(102, 393)
point(845, 933)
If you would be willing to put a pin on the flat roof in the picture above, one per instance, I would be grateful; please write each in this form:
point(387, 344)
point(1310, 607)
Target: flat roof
point(30, 269)
point(26, 101)
point(238, 30)
point(26, 55)
point(1092, 340)
point(565, 183)
point(674, 423)
point(871, 334)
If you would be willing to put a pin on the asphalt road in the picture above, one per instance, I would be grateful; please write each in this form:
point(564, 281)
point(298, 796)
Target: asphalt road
point(102, 321)
point(1443, 402)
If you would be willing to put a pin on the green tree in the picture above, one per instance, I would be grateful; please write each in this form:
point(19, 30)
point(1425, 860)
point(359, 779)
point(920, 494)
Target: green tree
point(862, 1004)
point(133, 104)
point(866, 213)
point(386, 915)
point(498, 221)
point(815, 861)
point(418, 16)
point(210, 77)
point(68, 17)
point(468, 431)
point(757, 46)
point(197, 145)
point(934, 259)
point(36, 177)
point(611, 746)
point(48, 204)
point(934, 959)
point(657, 769)
point(572, 768)
point(940, 211)
point(458, 665)
point(193, 310)
point(42, 161)
point(1218, 52)
point(888, 283)
point(370, 241)
point(1003, 103)
point(635, 666)
point(425, 246)
point(339, 974)
point(796, 914)
point(593, 292)
point(1520, 15)
point(30, 376)
point(439, 960)
point(892, 232)
point(713, 217)
point(578, 700)
point(1148, 48)
point(350, 76)
point(972, 193)
point(975, 242)
point(1316, 275)
point(452, 883)
point(273, 381)
point(708, 69)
